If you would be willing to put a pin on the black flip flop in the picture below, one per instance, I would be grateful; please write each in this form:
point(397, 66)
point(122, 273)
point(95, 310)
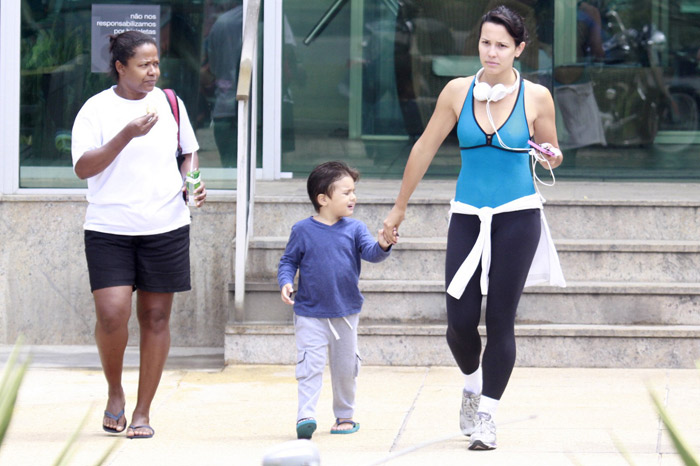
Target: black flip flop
point(114, 417)
point(144, 426)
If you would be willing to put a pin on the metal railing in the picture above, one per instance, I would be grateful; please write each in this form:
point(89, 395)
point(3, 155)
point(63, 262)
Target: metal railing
point(247, 150)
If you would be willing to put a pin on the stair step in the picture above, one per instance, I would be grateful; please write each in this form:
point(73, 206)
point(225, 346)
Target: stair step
point(410, 302)
point(572, 287)
point(572, 219)
point(538, 345)
point(603, 260)
point(630, 253)
point(627, 245)
point(552, 330)
point(597, 245)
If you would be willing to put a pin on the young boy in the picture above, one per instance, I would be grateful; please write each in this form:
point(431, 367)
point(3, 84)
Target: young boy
point(327, 250)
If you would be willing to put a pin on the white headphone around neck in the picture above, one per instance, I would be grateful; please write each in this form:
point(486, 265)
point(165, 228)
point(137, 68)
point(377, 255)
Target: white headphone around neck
point(484, 92)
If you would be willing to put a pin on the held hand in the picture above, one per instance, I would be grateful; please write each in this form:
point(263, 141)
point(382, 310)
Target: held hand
point(391, 225)
point(554, 162)
point(200, 194)
point(383, 243)
point(286, 294)
point(142, 125)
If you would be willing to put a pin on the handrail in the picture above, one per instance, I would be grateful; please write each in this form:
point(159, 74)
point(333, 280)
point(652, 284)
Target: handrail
point(248, 50)
point(245, 172)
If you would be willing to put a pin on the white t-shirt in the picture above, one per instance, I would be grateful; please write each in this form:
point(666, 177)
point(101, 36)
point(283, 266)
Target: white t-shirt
point(140, 192)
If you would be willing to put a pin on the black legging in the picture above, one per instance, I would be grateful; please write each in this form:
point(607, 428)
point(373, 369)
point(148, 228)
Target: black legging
point(514, 239)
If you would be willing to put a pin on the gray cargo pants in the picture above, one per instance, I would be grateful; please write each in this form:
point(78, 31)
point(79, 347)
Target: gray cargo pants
point(338, 336)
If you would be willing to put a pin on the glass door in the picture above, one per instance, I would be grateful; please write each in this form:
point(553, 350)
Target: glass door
point(365, 77)
point(199, 58)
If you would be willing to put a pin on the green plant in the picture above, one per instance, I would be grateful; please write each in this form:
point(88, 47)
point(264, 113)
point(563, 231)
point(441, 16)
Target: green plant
point(687, 455)
point(9, 388)
point(689, 458)
point(71, 446)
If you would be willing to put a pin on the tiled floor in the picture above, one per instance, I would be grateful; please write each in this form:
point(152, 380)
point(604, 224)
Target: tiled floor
point(408, 415)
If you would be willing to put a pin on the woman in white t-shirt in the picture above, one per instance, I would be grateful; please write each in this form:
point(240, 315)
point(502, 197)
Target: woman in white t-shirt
point(124, 143)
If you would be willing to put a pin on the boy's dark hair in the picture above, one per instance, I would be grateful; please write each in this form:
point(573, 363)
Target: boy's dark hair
point(123, 46)
point(322, 178)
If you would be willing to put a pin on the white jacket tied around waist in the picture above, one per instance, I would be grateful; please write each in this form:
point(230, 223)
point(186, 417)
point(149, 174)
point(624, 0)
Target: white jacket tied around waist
point(545, 266)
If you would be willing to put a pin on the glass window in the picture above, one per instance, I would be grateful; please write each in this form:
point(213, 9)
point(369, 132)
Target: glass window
point(627, 94)
point(57, 79)
point(362, 79)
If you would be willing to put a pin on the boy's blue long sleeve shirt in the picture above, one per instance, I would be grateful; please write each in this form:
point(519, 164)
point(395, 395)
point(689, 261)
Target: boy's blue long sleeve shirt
point(328, 258)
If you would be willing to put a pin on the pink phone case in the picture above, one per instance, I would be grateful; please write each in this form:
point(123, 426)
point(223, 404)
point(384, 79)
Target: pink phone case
point(542, 149)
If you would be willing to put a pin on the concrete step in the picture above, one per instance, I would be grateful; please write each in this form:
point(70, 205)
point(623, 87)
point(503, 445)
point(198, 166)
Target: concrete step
point(613, 346)
point(273, 218)
point(630, 253)
point(580, 303)
point(571, 219)
point(582, 260)
point(624, 220)
point(630, 260)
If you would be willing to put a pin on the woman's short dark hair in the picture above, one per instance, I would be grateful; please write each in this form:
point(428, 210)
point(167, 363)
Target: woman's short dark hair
point(322, 178)
point(509, 19)
point(123, 46)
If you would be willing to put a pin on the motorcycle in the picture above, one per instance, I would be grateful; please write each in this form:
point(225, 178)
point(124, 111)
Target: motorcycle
point(634, 97)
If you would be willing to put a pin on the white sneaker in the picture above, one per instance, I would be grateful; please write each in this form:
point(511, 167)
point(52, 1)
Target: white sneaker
point(484, 436)
point(467, 413)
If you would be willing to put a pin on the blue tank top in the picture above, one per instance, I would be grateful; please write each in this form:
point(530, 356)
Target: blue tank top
point(491, 175)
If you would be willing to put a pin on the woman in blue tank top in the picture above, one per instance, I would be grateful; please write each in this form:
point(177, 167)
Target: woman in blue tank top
point(496, 223)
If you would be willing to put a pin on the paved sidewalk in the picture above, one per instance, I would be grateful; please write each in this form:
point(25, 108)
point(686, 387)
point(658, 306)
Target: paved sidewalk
point(210, 415)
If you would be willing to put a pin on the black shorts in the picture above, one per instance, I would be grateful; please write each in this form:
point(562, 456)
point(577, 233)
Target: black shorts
point(157, 263)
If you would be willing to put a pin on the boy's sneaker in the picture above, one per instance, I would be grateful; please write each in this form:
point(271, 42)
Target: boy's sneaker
point(467, 413)
point(484, 436)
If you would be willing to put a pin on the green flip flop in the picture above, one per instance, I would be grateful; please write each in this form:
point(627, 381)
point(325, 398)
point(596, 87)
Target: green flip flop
point(305, 428)
point(338, 422)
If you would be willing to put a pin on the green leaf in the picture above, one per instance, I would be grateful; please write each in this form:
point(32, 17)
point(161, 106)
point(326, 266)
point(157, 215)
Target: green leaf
point(109, 451)
point(68, 450)
point(622, 449)
point(71, 446)
point(12, 377)
point(683, 449)
point(9, 387)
